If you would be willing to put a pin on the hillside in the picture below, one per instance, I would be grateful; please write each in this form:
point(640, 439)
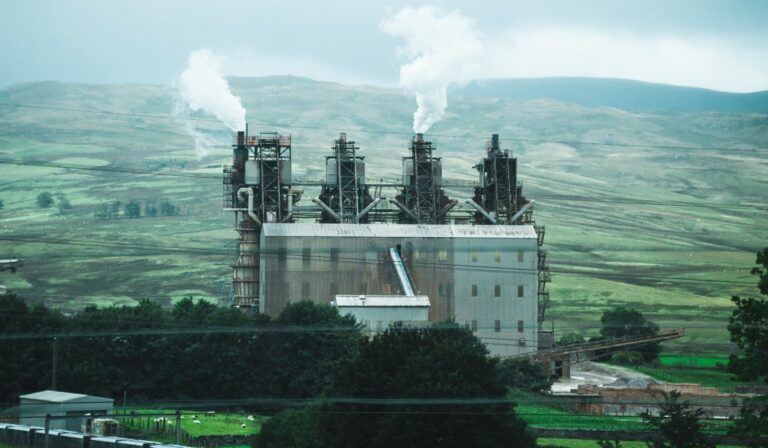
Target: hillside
point(633, 96)
point(669, 230)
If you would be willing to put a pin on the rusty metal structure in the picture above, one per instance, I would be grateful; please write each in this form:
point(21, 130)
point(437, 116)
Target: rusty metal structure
point(345, 196)
point(257, 187)
point(423, 199)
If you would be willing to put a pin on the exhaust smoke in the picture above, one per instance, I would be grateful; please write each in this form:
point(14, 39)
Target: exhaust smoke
point(442, 50)
point(202, 87)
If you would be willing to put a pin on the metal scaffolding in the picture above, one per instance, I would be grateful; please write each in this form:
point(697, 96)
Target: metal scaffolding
point(344, 196)
point(257, 187)
point(423, 200)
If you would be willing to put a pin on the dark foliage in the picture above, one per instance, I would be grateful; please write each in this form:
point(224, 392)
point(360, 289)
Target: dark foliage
point(521, 373)
point(677, 425)
point(192, 364)
point(748, 326)
point(623, 322)
point(407, 387)
point(44, 200)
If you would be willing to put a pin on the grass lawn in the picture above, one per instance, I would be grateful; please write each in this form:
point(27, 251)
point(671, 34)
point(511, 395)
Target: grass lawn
point(210, 424)
point(700, 362)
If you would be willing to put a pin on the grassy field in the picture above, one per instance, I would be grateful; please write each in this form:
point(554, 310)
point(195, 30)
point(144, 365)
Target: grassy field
point(209, 424)
point(669, 231)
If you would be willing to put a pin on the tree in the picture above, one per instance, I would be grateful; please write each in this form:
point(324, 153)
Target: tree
point(677, 425)
point(428, 387)
point(133, 209)
point(305, 350)
point(167, 208)
point(571, 339)
point(748, 326)
point(521, 373)
point(44, 200)
point(64, 205)
point(623, 322)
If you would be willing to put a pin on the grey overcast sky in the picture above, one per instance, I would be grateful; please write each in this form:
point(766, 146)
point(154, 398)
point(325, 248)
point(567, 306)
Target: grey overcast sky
point(718, 44)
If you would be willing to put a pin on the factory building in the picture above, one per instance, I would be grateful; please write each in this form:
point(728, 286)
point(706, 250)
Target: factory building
point(484, 277)
point(478, 263)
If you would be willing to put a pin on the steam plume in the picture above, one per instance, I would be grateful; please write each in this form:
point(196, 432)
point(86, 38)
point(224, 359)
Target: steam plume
point(202, 87)
point(442, 49)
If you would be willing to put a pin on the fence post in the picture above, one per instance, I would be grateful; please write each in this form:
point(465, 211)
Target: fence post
point(47, 429)
point(178, 427)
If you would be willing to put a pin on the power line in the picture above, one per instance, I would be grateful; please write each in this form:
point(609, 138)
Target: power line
point(364, 260)
point(755, 207)
point(369, 131)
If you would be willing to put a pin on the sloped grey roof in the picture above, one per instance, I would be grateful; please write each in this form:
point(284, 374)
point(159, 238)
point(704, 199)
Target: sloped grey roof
point(55, 396)
point(398, 230)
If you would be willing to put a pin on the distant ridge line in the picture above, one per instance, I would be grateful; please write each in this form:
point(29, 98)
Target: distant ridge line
point(624, 94)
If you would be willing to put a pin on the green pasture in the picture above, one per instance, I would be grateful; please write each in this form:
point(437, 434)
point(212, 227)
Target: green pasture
point(210, 424)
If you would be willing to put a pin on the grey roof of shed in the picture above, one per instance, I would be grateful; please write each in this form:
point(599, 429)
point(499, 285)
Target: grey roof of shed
point(365, 301)
point(398, 230)
point(55, 396)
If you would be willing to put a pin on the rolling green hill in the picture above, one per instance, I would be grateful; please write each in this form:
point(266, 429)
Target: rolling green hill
point(669, 230)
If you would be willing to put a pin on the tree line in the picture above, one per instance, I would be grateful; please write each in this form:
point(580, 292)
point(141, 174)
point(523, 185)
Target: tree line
point(134, 209)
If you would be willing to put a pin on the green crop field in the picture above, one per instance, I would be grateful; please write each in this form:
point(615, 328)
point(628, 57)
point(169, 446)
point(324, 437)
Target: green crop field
point(632, 217)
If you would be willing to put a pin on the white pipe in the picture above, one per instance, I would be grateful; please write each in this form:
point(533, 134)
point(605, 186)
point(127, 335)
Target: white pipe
point(291, 193)
point(481, 210)
point(327, 209)
point(520, 212)
point(249, 191)
point(404, 208)
point(370, 207)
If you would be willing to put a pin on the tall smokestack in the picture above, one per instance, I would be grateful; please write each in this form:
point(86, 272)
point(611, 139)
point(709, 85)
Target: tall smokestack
point(240, 138)
point(495, 142)
point(420, 138)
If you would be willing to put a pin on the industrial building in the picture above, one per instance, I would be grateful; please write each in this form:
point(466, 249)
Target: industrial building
point(478, 263)
point(67, 410)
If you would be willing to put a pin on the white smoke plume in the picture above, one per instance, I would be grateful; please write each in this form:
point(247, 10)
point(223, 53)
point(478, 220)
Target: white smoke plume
point(442, 50)
point(202, 87)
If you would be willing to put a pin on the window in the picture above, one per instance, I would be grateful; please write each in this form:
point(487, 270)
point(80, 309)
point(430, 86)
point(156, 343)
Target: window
point(497, 291)
point(442, 256)
point(521, 342)
point(520, 291)
point(520, 258)
point(474, 326)
point(497, 326)
point(304, 290)
point(473, 256)
point(306, 256)
point(379, 325)
point(473, 292)
point(335, 255)
point(497, 257)
point(520, 326)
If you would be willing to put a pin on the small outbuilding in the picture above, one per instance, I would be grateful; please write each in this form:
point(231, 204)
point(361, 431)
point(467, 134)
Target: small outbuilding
point(377, 312)
point(67, 410)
